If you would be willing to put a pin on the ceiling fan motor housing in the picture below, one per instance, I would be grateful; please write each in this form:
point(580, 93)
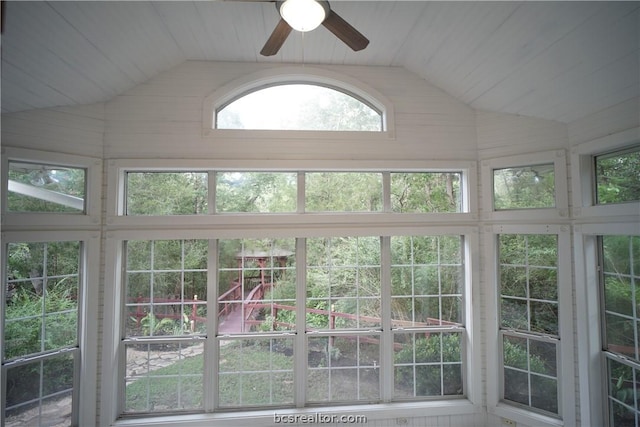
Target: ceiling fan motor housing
point(303, 15)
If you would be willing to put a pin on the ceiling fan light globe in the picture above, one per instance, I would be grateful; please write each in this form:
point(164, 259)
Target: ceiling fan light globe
point(303, 15)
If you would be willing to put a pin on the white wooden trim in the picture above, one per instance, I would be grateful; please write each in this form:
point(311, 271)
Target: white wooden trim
point(582, 173)
point(272, 76)
point(89, 306)
point(43, 220)
point(565, 364)
point(561, 209)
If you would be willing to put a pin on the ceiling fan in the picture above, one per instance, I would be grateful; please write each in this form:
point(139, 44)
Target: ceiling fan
point(306, 15)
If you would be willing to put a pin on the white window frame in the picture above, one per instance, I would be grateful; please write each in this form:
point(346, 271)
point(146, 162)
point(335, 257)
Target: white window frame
point(533, 215)
point(295, 74)
point(117, 170)
point(93, 198)
point(583, 180)
point(565, 363)
point(121, 228)
point(89, 294)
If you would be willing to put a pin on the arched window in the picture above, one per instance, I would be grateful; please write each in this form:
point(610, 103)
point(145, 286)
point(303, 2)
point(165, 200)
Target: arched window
point(299, 106)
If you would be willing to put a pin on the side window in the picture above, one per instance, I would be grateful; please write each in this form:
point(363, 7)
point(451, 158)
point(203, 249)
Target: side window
point(529, 333)
point(41, 353)
point(617, 177)
point(39, 187)
point(299, 107)
point(620, 284)
point(524, 187)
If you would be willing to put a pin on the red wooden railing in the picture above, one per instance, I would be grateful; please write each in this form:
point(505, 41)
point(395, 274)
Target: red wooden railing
point(228, 302)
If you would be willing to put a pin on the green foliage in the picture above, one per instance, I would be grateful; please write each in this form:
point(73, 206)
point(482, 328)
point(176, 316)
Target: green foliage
point(166, 193)
point(256, 192)
point(67, 181)
point(434, 349)
point(525, 187)
point(358, 192)
point(618, 177)
point(26, 335)
point(426, 192)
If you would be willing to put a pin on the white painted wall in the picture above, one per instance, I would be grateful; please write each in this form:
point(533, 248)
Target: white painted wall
point(72, 130)
point(163, 116)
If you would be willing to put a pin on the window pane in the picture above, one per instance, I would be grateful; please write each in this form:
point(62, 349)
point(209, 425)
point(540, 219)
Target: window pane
point(37, 187)
point(40, 392)
point(524, 187)
point(426, 281)
point(299, 107)
point(618, 177)
point(343, 192)
point(529, 282)
point(163, 377)
point(343, 283)
point(530, 372)
point(426, 192)
point(256, 285)
point(166, 193)
point(621, 282)
point(343, 368)
point(256, 192)
point(427, 364)
point(256, 372)
point(41, 308)
point(166, 287)
point(623, 389)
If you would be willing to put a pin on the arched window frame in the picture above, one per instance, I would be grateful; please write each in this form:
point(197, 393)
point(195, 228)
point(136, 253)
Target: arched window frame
point(297, 75)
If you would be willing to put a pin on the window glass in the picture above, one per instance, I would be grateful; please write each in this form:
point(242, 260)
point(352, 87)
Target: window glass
point(343, 283)
point(166, 193)
point(41, 308)
point(40, 391)
point(166, 287)
point(426, 281)
point(299, 107)
point(621, 283)
point(37, 187)
point(256, 372)
point(530, 372)
point(343, 192)
point(528, 289)
point(426, 192)
point(40, 318)
point(524, 187)
point(163, 377)
point(256, 285)
point(256, 192)
point(618, 177)
point(623, 388)
point(620, 280)
point(343, 368)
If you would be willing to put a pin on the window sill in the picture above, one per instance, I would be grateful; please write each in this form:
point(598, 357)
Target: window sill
point(267, 417)
point(525, 417)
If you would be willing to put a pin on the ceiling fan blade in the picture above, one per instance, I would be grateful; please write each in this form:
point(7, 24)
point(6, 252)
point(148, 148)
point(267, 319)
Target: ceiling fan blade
point(276, 39)
point(345, 32)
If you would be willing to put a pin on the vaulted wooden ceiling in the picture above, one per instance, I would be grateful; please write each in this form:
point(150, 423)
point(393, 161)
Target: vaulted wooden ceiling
point(553, 60)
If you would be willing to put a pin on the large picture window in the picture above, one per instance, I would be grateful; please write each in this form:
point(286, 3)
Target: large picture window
point(259, 332)
point(243, 289)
